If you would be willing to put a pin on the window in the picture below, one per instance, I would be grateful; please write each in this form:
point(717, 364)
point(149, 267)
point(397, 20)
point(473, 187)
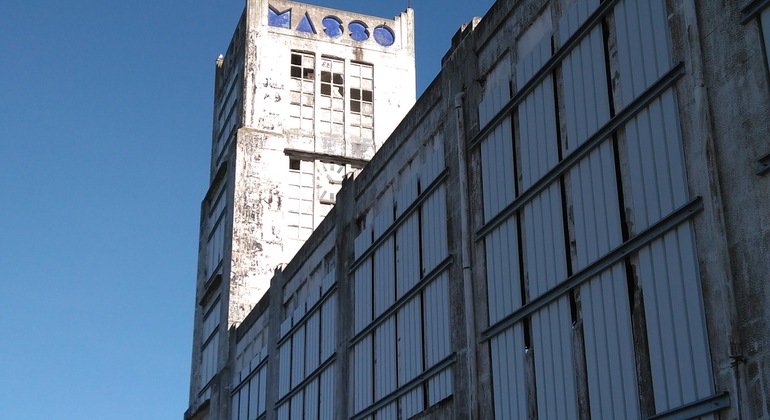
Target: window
point(332, 118)
point(299, 201)
point(216, 240)
point(210, 348)
point(361, 101)
point(302, 91)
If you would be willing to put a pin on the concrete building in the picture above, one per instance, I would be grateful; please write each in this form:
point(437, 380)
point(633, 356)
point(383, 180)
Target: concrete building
point(572, 222)
point(304, 96)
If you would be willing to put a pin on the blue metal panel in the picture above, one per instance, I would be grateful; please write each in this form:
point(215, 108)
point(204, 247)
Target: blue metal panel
point(407, 256)
point(554, 367)
point(326, 394)
point(328, 327)
point(437, 336)
point(362, 374)
point(384, 277)
point(298, 359)
point(606, 313)
point(313, 344)
point(508, 374)
point(311, 400)
point(641, 27)
point(668, 268)
point(385, 359)
point(434, 230)
point(297, 405)
point(503, 279)
point(497, 150)
point(284, 378)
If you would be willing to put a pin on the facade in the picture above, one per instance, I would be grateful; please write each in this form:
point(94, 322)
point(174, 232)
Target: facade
point(304, 96)
point(572, 222)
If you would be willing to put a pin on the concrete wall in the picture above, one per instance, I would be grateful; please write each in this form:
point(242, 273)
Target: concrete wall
point(594, 234)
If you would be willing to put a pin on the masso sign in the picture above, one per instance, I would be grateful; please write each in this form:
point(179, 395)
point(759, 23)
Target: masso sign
point(333, 27)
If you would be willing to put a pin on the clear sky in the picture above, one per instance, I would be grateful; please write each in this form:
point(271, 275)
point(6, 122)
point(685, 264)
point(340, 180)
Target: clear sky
point(105, 129)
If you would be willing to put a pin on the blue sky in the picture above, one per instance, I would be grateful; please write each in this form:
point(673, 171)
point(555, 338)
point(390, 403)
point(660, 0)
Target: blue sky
point(105, 123)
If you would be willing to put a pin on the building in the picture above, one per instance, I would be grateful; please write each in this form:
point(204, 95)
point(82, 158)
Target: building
point(304, 96)
point(573, 221)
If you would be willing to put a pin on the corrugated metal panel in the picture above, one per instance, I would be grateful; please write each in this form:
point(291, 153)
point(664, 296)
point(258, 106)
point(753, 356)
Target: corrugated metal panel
point(254, 391)
point(362, 241)
point(262, 405)
point(328, 282)
point(284, 377)
point(298, 359)
point(656, 162)
point(575, 16)
point(385, 359)
point(497, 92)
point(667, 269)
point(606, 313)
point(434, 163)
point(363, 295)
point(297, 404)
point(531, 64)
point(313, 344)
point(283, 412)
point(641, 26)
point(362, 374)
point(503, 278)
point(390, 412)
point(410, 355)
point(384, 277)
point(537, 130)
point(234, 407)
point(544, 252)
point(326, 394)
point(497, 172)
point(328, 327)
point(407, 191)
point(554, 367)
point(508, 381)
point(311, 400)
point(285, 326)
point(676, 329)
point(434, 230)
point(437, 336)
point(407, 256)
point(243, 409)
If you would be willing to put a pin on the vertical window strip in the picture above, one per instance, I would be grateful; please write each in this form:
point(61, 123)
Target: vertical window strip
point(302, 89)
point(332, 102)
point(362, 101)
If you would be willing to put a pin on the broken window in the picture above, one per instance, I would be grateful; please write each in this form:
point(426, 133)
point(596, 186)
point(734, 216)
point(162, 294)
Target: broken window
point(302, 91)
point(361, 101)
point(332, 106)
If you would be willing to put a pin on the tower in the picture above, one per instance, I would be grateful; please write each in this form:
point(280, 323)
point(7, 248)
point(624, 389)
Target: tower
point(303, 96)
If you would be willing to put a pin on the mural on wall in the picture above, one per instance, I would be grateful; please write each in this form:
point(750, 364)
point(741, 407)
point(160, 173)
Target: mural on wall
point(333, 27)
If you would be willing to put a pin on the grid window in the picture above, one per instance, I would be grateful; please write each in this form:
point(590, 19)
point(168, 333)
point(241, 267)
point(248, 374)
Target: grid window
point(361, 101)
point(302, 91)
point(216, 239)
point(300, 201)
point(210, 348)
point(332, 118)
